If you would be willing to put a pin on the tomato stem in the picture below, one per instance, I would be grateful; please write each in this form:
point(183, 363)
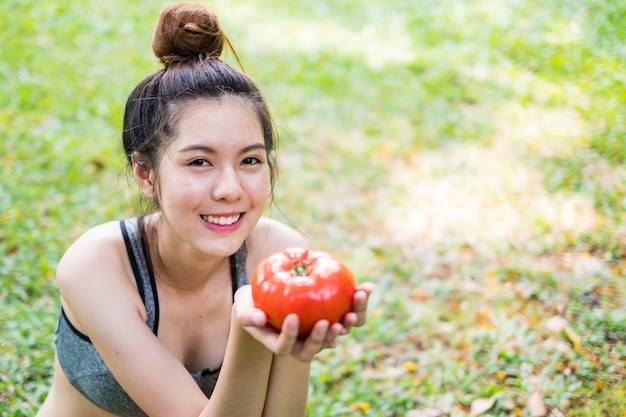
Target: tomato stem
point(300, 269)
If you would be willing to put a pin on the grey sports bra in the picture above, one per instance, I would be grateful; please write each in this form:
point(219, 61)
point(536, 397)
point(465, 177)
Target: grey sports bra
point(80, 360)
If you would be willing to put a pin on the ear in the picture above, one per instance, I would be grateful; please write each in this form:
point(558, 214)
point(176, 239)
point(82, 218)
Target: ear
point(144, 178)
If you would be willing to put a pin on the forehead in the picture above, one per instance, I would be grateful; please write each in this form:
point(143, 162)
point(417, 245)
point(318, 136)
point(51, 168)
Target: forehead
point(226, 118)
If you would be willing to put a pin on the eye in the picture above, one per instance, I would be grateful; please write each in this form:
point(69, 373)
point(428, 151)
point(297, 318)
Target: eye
point(251, 160)
point(200, 163)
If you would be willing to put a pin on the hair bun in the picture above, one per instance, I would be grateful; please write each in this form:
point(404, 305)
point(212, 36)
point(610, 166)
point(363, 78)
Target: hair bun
point(185, 31)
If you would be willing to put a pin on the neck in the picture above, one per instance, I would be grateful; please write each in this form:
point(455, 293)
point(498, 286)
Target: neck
point(174, 266)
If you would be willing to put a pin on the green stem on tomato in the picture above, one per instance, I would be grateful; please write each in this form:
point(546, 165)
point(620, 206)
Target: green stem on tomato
point(300, 269)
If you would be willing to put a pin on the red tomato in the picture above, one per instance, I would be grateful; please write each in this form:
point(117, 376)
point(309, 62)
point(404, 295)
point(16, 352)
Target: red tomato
point(312, 284)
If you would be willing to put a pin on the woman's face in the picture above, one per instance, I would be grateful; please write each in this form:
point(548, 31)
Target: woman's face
point(214, 178)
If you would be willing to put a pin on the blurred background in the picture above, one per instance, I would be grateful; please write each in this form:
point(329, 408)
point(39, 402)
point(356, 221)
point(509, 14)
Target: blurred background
point(466, 156)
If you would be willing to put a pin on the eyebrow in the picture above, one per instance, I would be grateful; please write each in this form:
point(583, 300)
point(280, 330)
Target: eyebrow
point(210, 150)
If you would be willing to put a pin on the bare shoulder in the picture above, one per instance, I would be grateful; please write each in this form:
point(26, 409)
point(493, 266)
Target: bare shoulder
point(94, 276)
point(269, 236)
point(99, 247)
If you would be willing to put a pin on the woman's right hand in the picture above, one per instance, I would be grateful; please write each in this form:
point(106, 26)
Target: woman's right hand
point(286, 341)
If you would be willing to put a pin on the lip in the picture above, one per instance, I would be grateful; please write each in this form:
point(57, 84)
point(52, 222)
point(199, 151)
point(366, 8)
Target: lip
point(223, 218)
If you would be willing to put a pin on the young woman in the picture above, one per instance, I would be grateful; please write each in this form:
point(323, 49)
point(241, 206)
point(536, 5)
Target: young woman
point(156, 315)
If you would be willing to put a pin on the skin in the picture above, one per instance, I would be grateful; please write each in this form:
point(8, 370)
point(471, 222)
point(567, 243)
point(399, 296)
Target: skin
point(216, 169)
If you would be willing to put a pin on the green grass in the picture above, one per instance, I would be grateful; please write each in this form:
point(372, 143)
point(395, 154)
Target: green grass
point(467, 156)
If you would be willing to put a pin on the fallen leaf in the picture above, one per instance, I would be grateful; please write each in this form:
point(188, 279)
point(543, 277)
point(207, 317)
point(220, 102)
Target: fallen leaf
point(481, 405)
point(410, 366)
point(426, 412)
point(573, 337)
point(421, 295)
point(536, 406)
point(483, 318)
point(363, 407)
point(491, 277)
point(557, 413)
point(556, 324)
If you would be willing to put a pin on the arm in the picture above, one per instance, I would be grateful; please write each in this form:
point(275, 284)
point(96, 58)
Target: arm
point(288, 384)
point(245, 370)
point(289, 375)
point(288, 387)
point(102, 301)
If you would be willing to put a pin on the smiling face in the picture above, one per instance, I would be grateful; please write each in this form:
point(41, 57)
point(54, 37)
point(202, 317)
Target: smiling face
point(214, 178)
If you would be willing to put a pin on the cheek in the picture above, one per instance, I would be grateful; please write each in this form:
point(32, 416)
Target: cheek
point(180, 191)
point(258, 187)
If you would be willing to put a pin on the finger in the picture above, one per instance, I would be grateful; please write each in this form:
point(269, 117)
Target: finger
point(244, 295)
point(288, 335)
point(257, 318)
point(335, 330)
point(244, 307)
point(253, 317)
point(368, 287)
point(362, 294)
point(314, 342)
point(361, 298)
point(356, 317)
point(349, 321)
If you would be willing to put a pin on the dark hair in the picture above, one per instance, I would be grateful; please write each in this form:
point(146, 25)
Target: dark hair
point(188, 40)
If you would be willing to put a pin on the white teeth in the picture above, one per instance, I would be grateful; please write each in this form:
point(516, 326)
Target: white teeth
point(222, 221)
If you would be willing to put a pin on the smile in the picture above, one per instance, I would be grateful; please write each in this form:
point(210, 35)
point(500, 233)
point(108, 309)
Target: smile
point(222, 220)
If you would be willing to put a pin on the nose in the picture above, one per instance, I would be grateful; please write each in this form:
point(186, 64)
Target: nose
point(227, 186)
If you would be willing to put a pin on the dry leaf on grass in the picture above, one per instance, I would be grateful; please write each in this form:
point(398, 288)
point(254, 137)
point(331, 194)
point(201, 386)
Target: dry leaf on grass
point(573, 337)
point(426, 412)
point(556, 413)
point(481, 405)
point(558, 324)
point(536, 406)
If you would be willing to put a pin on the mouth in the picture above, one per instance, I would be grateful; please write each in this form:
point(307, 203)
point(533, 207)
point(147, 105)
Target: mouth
point(222, 220)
